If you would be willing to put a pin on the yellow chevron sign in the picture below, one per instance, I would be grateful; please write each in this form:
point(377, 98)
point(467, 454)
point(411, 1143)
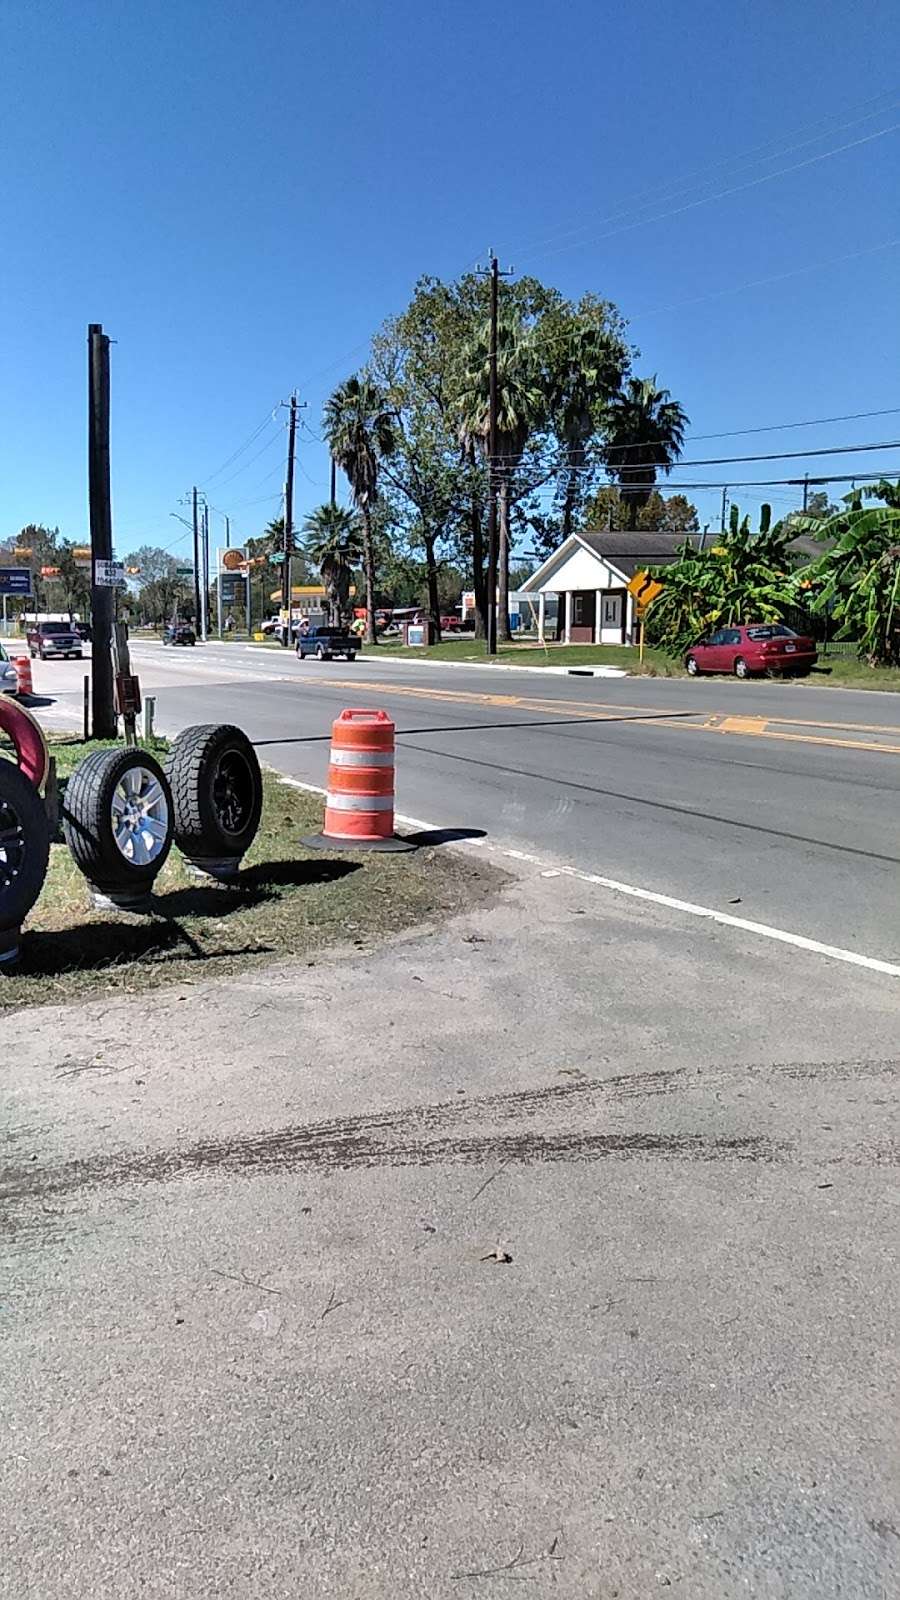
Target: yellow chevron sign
point(644, 589)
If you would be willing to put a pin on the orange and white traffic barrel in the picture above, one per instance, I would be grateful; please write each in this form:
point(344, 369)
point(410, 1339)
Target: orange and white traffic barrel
point(23, 675)
point(359, 804)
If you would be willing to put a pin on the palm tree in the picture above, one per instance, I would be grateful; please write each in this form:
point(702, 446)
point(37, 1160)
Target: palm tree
point(359, 429)
point(520, 410)
point(645, 434)
point(586, 368)
point(334, 543)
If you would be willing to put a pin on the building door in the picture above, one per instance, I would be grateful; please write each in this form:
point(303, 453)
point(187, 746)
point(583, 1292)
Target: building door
point(584, 612)
point(613, 615)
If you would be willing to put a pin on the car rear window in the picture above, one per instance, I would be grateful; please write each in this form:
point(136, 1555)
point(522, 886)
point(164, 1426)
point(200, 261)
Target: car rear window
point(775, 630)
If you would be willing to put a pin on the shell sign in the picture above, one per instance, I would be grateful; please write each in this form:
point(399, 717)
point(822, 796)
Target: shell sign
point(232, 559)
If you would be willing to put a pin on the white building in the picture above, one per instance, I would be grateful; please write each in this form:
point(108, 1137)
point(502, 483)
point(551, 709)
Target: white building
point(589, 574)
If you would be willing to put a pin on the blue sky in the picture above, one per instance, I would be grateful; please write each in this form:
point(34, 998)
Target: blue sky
point(241, 193)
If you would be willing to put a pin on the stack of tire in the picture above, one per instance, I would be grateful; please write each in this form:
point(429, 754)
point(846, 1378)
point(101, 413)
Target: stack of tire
point(24, 830)
point(123, 811)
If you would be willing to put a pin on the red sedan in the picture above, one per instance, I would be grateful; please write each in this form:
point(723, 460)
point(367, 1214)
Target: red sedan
point(758, 647)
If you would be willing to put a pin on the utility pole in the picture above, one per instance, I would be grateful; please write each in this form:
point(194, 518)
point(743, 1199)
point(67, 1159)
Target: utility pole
point(196, 526)
point(286, 575)
point(204, 593)
point(227, 532)
point(104, 724)
point(724, 507)
point(491, 605)
point(805, 491)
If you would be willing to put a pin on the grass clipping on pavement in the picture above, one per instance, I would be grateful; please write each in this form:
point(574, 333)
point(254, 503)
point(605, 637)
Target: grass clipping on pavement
point(288, 902)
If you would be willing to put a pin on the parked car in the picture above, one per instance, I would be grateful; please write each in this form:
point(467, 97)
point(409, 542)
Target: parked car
point(327, 642)
point(270, 626)
point(9, 681)
point(51, 640)
point(757, 647)
point(179, 633)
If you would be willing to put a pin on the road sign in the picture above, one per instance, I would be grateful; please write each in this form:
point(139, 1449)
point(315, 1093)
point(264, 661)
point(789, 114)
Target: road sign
point(644, 589)
point(15, 580)
point(277, 561)
point(184, 572)
point(109, 574)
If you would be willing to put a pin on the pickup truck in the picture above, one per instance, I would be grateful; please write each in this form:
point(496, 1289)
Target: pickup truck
point(327, 642)
point(54, 639)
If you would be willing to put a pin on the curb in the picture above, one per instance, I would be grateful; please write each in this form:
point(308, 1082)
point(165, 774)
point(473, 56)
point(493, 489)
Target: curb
point(478, 666)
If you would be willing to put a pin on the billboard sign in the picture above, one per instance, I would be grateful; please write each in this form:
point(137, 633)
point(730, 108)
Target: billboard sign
point(15, 580)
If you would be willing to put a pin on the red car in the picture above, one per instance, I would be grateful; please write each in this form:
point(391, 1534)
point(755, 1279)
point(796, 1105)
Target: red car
point(756, 647)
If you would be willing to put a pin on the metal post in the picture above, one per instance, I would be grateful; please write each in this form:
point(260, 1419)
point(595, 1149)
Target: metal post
point(286, 575)
point(104, 714)
point(491, 607)
point(204, 593)
point(196, 527)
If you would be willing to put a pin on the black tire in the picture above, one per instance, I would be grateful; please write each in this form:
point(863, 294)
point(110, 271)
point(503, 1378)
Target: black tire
point(24, 845)
point(351, 655)
point(88, 820)
point(741, 669)
point(216, 787)
point(691, 666)
point(320, 653)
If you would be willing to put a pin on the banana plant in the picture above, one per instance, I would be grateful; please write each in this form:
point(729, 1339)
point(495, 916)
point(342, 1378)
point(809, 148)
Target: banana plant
point(857, 580)
point(744, 576)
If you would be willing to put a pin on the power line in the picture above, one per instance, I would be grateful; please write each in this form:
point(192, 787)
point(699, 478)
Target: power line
point(244, 465)
point(758, 283)
point(722, 194)
point(690, 179)
point(814, 422)
point(269, 417)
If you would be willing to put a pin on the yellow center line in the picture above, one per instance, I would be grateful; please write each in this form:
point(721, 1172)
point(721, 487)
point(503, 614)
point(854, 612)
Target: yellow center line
point(663, 718)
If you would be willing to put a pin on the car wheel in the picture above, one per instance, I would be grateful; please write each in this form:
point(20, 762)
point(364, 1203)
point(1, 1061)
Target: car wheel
point(29, 739)
point(741, 669)
point(118, 821)
point(320, 653)
point(351, 655)
point(216, 788)
point(24, 854)
point(691, 666)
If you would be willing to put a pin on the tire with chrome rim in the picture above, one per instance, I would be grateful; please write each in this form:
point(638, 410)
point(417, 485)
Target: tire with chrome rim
point(24, 853)
point(117, 820)
point(216, 787)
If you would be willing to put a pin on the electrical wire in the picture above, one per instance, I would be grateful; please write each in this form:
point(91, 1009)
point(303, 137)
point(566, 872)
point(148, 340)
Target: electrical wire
point(267, 446)
point(753, 157)
point(729, 461)
point(722, 194)
point(269, 417)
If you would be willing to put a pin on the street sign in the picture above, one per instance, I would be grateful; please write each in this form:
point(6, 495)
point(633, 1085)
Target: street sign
point(109, 574)
point(15, 580)
point(644, 589)
point(184, 572)
point(277, 561)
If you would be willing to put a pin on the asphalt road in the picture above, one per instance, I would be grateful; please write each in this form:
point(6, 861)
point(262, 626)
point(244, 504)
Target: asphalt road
point(777, 802)
point(255, 1334)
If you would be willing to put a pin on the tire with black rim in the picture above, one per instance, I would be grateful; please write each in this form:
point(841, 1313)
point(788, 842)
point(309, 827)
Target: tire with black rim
point(216, 788)
point(117, 818)
point(24, 850)
point(741, 669)
point(321, 653)
point(691, 666)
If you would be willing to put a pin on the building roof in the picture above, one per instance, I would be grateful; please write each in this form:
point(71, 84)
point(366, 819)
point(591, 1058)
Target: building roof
point(631, 552)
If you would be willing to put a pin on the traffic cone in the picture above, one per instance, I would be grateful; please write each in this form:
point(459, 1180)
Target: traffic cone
point(359, 804)
point(23, 675)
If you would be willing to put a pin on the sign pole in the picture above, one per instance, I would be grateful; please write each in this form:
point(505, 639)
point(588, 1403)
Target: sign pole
point(641, 646)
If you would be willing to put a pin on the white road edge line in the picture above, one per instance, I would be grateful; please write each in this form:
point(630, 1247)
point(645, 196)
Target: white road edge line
point(724, 919)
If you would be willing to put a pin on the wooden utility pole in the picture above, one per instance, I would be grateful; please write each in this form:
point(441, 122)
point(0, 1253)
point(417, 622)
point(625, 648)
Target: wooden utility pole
point(196, 522)
point(286, 575)
point(806, 491)
point(103, 723)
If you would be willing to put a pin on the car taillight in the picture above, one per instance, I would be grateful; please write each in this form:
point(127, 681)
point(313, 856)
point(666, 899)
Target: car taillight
point(771, 647)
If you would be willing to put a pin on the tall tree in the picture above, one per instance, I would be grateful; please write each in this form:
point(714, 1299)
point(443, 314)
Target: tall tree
point(334, 543)
point(521, 411)
point(644, 435)
point(360, 430)
point(583, 360)
point(607, 509)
